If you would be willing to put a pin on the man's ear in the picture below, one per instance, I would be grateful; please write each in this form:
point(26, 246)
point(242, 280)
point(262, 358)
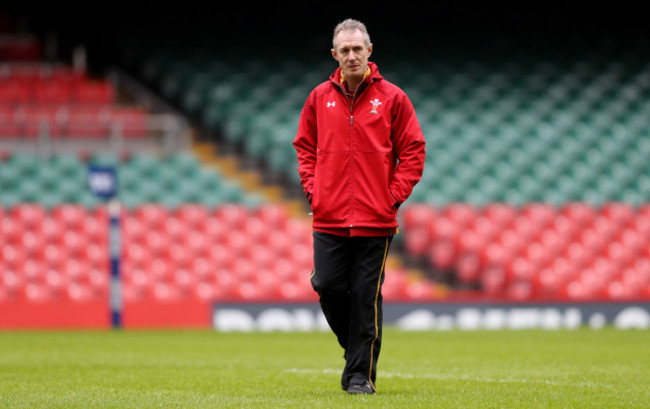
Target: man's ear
point(335, 55)
point(369, 49)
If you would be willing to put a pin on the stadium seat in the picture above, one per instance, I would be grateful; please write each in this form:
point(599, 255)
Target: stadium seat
point(94, 93)
point(88, 121)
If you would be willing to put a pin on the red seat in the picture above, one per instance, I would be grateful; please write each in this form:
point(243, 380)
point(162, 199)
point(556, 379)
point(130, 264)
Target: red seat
point(520, 290)
point(442, 254)
point(94, 93)
point(299, 231)
point(29, 215)
point(248, 291)
point(96, 228)
point(214, 229)
point(486, 228)
point(279, 243)
point(223, 285)
point(582, 214)
point(88, 121)
point(203, 269)
point(469, 267)
point(256, 230)
point(164, 292)
point(14, 93)
point(194, 216)
point(500, 214)
point(156, 242)
point(152, 215)
point(74, 243)
point(619, 255)
point(41, 119)
point(493, 279)
point(420, 290)
point(444, 228)
point(417, 240)
point(195, 243)
point(292, 291)
point(184, 281)
point(633, 241)
point(510, 242)
point(583, 287)
point(470, 240)
point(10, 230)
point(9, 125)
point(11, 281)
point(54, 256)
point(220, 256)
point(538, 255)
point(76, 270)
point(265, 279)
point(461, 214)
point(417, 214)
point(203, 291)
point(539, 213)
point(52, 93)
point(80, 292)
point(282, 269)
point(261, 256)
point(132, 122)
point(232, 215)
point(272, 215)
point(521, 270)
point(548, 283)
point(32, 241)
point(98, 278)
point(70, 216)
point(527, 229)
point(237, 242)
point(159, 269)
point(97, 255)
point(37, 293)
point(178, 255)
point(302, 256)
point(606, 229)
point(618, 290)
point(622, 214)
point(175, 229)
point(394, 288)
point(243, 269)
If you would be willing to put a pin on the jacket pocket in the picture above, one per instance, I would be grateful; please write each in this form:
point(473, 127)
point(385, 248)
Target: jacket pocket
point(373, 202)
point(330, 203)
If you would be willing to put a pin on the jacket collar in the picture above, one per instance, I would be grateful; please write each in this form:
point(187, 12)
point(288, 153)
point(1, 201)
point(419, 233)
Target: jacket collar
point(373, 75)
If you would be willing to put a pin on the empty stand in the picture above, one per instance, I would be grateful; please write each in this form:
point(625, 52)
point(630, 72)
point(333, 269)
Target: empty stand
point(538, 251)
point(171, 181)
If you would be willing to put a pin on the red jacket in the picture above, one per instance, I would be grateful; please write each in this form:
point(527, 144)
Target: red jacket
point(360, 157)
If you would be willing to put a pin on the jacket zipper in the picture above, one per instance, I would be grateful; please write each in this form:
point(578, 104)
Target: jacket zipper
point(351, 107)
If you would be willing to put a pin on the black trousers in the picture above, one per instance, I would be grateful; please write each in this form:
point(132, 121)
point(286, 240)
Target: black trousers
point(348, 275)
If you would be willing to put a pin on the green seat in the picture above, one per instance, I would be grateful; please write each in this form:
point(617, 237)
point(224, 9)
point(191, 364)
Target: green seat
point(104, 159)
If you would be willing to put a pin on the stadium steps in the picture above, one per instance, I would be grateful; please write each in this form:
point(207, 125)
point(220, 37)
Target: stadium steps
point(250, 180)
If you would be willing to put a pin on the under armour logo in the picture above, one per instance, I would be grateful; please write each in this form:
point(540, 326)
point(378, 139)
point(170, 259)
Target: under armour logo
point(331, 104)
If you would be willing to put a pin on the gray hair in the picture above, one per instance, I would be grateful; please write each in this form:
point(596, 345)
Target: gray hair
point(351, 25)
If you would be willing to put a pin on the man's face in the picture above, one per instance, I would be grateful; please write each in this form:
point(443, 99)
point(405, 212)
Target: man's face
point(352, 53)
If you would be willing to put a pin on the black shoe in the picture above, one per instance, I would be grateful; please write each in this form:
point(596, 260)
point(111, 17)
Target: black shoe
point(364, 388)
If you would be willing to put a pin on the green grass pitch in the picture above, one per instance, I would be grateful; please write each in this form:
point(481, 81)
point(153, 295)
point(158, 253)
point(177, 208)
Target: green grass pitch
point(582, 368)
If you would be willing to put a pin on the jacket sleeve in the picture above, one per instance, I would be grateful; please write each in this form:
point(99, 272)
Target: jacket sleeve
point(305, 143)
point(409, 149)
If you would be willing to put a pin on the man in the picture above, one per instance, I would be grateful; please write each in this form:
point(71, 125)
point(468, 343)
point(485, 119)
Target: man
point(360, 152)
